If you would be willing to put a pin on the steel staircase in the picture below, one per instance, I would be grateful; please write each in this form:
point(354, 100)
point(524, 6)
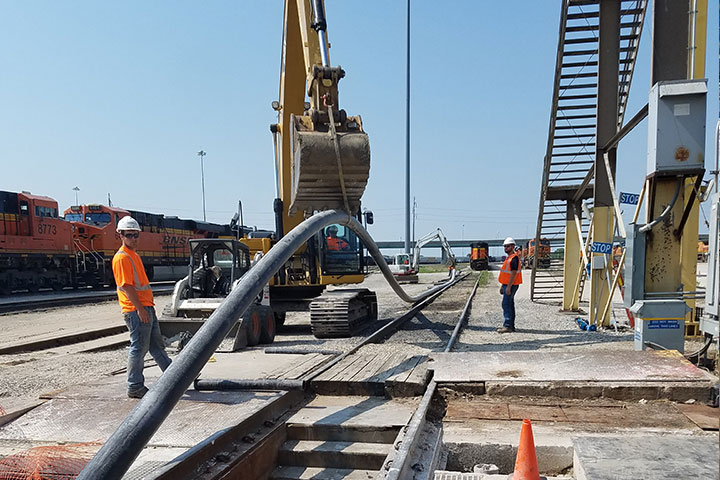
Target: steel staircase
point(570, 154)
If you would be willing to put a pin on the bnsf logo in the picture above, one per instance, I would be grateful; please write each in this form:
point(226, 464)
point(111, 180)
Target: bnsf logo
point(175, 240)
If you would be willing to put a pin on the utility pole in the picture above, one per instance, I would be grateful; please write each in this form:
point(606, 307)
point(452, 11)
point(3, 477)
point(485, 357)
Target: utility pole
point(407, 140)
point(414, 217)
point(76, 189)
point(202, 154)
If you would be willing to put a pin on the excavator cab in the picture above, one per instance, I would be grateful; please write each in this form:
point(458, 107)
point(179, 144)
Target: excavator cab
point(341, 251)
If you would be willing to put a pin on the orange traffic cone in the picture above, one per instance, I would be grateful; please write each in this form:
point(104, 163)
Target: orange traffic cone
point(526, 467)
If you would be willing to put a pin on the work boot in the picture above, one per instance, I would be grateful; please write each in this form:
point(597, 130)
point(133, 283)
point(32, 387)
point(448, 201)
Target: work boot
point(139, 393)
point(505, 330)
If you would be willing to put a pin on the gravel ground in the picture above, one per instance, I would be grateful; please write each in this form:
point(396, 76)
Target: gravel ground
point(26, 376)
point(538, 326)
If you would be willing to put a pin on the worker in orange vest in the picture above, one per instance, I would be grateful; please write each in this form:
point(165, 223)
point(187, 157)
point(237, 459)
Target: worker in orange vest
point(510, 279)
point(335, 243)
point(136, 299)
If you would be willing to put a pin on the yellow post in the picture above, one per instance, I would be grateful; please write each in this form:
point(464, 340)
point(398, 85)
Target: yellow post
point(571, 263)
point(662, 255)
point(603, 223)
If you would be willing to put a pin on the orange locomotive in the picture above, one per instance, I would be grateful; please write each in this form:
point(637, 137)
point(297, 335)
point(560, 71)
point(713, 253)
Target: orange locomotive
point(36, 246)
point(528, 253)
point(479, 259)
point(164, 241)
point(40, 249)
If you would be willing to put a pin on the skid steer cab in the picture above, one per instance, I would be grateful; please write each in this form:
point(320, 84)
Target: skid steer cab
point(216, 266)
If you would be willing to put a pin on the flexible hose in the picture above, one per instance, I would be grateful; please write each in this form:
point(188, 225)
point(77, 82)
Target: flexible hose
point(646, 228)
point(122, 448)
point(696, 355)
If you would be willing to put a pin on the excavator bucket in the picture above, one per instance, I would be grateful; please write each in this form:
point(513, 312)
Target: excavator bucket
point(316, 182)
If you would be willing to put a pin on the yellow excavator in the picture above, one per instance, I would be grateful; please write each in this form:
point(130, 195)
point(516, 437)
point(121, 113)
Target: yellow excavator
point(322, 161)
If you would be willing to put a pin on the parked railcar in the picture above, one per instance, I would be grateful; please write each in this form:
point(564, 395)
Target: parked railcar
point(479, 255)
point(36, 245)
point(164, 242)
point(41, 249)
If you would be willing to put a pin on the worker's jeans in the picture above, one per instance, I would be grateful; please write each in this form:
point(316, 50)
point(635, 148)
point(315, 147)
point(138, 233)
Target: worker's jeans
point(508, 306)
point(144, 337)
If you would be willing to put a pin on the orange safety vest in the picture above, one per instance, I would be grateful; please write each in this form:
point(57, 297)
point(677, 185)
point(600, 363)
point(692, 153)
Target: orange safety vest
point(134, 276)
point(504, 277)
point(335, 243)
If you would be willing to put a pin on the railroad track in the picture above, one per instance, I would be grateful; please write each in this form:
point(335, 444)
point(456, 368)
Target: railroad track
point(275, 419)
point(19, 303)
point(406, 450)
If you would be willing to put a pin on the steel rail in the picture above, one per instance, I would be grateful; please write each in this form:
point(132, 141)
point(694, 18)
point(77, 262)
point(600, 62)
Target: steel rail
point(64, 299)
point(122, 448)
point(381, 333)
point(400, 467)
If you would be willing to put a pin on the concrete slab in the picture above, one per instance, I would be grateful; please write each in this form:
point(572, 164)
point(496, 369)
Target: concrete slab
point(351, 455)
point(91, 413)
point(322, 473)
point(256, 364)
point(596, 366)
point(357, 412)
point(195, 417)
point(637, 458)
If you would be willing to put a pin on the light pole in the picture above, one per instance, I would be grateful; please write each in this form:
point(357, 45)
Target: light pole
point(76, 189)
point(202, 154)
point(407, 139)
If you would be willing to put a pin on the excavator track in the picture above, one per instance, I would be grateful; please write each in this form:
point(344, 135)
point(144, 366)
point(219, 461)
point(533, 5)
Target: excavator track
point(342, 313)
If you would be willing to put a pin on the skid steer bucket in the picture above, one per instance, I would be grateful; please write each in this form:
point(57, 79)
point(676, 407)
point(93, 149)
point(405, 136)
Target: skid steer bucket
point(316, 182)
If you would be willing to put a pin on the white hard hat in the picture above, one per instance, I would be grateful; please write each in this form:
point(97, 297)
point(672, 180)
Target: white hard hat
point(509, 241)
point(128, 223)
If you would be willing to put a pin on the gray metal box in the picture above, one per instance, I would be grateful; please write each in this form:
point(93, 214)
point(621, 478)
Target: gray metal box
point(634, 265)
point(661, 322)
point(676, 127)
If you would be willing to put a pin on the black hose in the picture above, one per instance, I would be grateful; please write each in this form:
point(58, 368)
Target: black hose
point(251, 384)
point(661, 217)
point(703, 349)
point(122, 448)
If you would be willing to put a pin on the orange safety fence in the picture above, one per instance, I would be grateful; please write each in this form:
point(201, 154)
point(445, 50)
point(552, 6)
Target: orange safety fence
point(57, 462)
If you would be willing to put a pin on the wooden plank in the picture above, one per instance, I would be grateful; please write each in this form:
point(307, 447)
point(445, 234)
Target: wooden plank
point(301, 369)
point(550, 413)
point(357, 366)
point(386, 368)
point(337, 370)
point(404, 365)
point(283, 372)
point(703, 416)
point(370, 369)
point(462, 409)
point(413, 385)
point(402, 376)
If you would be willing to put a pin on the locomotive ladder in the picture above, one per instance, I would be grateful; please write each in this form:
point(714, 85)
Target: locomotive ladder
point(570, 155)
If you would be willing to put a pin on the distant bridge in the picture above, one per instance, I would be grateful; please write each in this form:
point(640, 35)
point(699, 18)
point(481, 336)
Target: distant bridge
point(399, 244)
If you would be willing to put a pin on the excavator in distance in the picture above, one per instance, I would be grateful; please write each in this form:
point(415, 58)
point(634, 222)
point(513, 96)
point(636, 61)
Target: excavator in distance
point(322, 161)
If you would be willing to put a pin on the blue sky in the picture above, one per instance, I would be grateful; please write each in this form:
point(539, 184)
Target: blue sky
point(118, 97)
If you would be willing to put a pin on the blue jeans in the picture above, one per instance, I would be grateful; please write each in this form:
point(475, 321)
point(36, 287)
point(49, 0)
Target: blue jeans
point(508, 306)
point(144, 337)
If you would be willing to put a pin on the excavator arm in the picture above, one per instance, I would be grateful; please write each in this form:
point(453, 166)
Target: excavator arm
point(436, 235)
point(322, 154)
